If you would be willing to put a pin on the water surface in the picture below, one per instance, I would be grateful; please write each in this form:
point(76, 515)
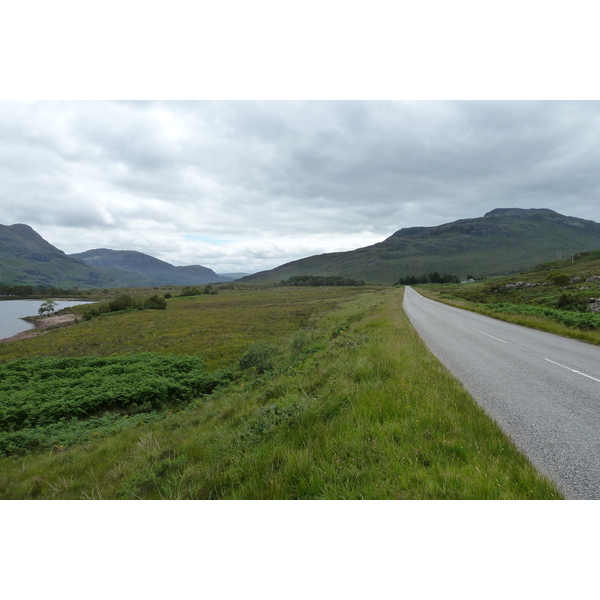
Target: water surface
point(13, 311)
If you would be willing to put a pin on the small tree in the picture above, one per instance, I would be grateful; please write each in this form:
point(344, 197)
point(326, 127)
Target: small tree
point(122, 302)
point(47, 308)
point(154, 302)
point(558, 278)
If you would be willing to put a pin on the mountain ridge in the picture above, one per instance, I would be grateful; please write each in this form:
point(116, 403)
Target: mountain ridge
point(157, 271)
point(503, 240)
point(26, 258)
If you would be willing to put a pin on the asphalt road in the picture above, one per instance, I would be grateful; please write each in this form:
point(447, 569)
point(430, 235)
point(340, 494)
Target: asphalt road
point(542, 389)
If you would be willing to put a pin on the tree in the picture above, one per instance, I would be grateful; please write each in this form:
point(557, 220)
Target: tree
point(154, 302)
point(558, 278)
point(122, 302)
point(47, 308)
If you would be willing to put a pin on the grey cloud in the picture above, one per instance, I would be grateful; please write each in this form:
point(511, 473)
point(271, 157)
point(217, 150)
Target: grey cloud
point(267, 170)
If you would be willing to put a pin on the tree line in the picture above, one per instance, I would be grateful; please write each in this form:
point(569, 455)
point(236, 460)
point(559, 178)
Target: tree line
point(125, 302)
point(34, 291)
point(433, 277)
point(319, 280)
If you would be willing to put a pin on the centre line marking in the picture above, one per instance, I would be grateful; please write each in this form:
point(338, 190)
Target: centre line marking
point(484, 333)
point(572, 370)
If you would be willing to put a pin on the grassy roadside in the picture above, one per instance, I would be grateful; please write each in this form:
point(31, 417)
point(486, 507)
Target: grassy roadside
point(351, 405)
point(512, 313)
point(555, 297)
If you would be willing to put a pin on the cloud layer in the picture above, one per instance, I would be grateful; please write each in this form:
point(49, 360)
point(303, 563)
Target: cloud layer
point(246, 186)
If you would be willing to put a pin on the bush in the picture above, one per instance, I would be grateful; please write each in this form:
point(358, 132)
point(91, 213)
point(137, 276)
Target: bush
point(58, 401)
point(190, 291)
point(122, 302)
point(260, 358)
point(558, 278)
point(154, 302)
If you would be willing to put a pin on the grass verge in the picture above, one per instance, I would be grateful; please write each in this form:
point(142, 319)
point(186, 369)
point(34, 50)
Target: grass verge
point(541, 319)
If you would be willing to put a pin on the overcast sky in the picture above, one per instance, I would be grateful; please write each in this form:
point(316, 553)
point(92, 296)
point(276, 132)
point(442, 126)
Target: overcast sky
point(248, 185)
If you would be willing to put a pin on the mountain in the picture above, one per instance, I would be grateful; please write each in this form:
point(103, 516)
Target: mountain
point(28, 259)
point(146, 270)
point(233, 276)
point(503, 240)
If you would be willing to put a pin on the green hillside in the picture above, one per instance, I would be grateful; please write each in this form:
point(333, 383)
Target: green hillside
point(145, 270)
point(27, 259)
point(502, 241)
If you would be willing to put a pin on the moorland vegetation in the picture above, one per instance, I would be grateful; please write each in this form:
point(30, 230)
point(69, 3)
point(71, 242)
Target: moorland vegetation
point(258, 392)
point(561, 296)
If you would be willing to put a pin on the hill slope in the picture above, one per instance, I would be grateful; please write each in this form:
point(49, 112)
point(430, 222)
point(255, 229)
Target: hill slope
point(503, 240)
point(28, 259)
point(132, 265)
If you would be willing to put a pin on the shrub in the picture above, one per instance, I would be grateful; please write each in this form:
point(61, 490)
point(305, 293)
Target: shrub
point(260, 357)
point(122, 302)
point(299, 341)
point(154, 302)
point(59, 401)
point(190, 291)
point(558, 278)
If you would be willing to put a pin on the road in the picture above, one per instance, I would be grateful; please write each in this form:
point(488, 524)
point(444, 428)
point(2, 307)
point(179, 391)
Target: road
point(542, 389)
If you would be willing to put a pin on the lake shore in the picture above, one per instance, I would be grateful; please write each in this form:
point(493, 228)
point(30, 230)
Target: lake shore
point(41, 325)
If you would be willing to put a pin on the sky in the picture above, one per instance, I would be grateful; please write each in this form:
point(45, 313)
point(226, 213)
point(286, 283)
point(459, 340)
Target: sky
point(246, 135)
point(249, 185)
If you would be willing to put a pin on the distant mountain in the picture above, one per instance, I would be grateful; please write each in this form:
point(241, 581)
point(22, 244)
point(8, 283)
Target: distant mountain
point(234, 276)
point(147, 270)
point(503, 240)
point(28, 259)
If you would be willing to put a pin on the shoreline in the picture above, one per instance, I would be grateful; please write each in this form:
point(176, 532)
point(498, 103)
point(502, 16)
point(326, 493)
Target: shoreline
point(41, 325)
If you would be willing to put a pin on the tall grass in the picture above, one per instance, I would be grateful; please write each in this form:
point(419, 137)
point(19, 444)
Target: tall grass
point(352, 406)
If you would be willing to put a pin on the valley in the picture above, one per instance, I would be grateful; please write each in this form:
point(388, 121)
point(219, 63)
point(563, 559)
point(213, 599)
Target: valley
point(321, 386)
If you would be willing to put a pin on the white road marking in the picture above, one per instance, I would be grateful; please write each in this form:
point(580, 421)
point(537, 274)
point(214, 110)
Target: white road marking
point(484, 333)
point(573, 370)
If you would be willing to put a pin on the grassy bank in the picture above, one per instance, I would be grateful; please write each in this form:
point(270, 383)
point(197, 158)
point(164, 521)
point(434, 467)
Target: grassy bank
point(553, 297)
point(339, 400)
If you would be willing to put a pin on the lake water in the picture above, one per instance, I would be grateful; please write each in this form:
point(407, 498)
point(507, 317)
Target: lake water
point(13, 311)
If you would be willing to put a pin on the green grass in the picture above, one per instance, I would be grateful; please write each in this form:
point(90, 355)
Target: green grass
point(540, 303)
point(348, 404)
point(217, 327)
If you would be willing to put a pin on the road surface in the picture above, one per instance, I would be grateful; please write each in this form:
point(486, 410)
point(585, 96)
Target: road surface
point(542, 389)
